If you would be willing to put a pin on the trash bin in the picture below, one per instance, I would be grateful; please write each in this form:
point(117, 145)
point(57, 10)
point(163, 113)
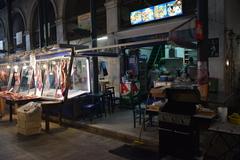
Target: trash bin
point(29, 119)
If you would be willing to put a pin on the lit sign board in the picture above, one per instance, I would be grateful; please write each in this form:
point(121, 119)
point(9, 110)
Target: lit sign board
point(161, 11)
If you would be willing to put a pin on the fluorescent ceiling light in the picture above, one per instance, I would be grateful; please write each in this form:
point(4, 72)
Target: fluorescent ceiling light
point(102, 38)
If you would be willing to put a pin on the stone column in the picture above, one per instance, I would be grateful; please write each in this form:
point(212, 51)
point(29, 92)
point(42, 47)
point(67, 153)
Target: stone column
point(60, 31)
point(112, 13)
point(28, 41)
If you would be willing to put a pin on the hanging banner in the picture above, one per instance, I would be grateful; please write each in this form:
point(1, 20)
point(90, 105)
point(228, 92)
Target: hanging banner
point(199, 30)
point(84, 21)
point(27, 39)
point(1, 45)
point(19, 38)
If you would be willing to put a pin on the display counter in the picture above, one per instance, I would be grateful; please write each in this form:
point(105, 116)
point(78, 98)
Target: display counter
point(49, 76)
point(13, 99)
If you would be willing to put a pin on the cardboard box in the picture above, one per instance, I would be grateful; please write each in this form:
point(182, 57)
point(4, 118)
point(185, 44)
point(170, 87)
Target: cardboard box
point(29, 117)
point(28, 124)
point(28, 131)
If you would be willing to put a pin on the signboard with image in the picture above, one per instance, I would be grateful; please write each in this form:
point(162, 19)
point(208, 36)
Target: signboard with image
point(213, 44)
point(161, 11)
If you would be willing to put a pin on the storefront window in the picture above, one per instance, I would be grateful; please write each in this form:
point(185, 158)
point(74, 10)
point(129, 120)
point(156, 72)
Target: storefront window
point(161, 64)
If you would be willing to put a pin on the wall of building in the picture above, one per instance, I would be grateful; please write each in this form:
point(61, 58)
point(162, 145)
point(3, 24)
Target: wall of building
point(232, 9)
point(216, 30)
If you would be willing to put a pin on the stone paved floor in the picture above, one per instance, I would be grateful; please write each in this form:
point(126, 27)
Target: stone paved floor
point(60, 144)
point(122, 121)
point(67, 143)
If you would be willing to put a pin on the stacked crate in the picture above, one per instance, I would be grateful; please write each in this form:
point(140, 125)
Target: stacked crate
point(29, 119)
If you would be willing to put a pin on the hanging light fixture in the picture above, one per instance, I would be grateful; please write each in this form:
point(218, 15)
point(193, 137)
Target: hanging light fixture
point(16, 68)
point(44, 66)
point(24, 66)
point(227, 63)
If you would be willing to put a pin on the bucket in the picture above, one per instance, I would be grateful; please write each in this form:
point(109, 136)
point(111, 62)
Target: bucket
point(222, 113)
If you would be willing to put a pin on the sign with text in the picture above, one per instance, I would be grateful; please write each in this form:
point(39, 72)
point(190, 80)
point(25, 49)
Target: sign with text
point(84, 21)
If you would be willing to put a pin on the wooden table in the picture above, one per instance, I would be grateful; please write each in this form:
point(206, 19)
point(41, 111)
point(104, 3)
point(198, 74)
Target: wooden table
point(11, 103)
point(220, 129)
point(218, 99)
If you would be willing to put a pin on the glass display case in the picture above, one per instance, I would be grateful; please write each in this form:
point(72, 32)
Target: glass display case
point(4, 76)
point(27, 86)
point(51, 75)
point(80, 78)
point(48, 76)
point(15, 77)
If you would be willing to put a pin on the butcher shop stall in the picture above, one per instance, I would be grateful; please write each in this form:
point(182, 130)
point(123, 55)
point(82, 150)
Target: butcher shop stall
point(52, 77)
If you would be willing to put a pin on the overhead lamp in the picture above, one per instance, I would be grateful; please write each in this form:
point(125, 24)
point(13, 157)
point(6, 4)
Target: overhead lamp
point(24, 66)
point(227, 63)
point(16, 68)
point(53, 62)
point(8, 67)
point(44, 66)
point(102, 38)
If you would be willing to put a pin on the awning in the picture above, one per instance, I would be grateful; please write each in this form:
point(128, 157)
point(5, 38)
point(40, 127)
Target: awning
point(183, 37)
point(183, 28)
point(159, 28)
point(98, 54)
